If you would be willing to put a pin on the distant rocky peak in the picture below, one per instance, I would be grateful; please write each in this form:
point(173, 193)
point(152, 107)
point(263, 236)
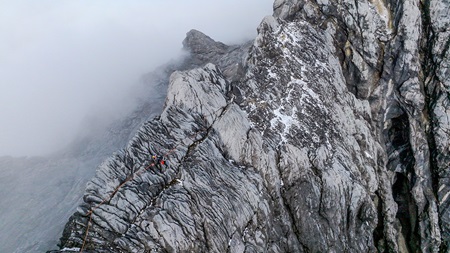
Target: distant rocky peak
point(199, 43)
point(202, 50)
point(285, 9)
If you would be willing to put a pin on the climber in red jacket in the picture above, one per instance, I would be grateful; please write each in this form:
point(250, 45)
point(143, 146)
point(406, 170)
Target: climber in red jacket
point(158, 160)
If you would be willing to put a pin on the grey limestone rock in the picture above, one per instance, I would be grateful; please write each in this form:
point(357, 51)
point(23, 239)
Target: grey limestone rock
point(437, 81)
point(327, 133)
point(202, 49)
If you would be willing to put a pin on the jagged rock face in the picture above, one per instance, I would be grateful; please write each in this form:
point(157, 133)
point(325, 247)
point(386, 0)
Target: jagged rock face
point(203, 46)
point(318, 132)
point(192, 204)
point(204, 50)
point(437, 81)
point(389, 53)
point(331, 134)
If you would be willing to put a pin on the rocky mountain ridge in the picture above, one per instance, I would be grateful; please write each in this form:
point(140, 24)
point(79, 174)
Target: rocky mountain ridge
point(329, 133)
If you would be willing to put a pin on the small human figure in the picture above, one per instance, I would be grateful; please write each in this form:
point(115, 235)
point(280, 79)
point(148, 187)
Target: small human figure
point(158, 161)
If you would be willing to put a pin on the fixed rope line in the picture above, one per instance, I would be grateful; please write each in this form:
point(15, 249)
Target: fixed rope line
point(110, 196)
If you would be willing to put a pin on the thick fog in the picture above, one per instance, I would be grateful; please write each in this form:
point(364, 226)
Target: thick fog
point(61, 61)
point(65, 63)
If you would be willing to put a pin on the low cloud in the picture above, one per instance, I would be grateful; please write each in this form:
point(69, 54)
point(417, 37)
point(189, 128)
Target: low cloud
point(61, 60)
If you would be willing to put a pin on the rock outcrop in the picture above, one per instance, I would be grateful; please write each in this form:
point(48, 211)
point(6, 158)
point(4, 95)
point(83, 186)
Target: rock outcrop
point(328, 133)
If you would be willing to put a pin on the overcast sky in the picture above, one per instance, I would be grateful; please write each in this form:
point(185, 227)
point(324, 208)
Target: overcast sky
point(61, 59)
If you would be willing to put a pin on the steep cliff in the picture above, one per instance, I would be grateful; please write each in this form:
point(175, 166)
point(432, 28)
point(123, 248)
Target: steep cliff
point(328, 133)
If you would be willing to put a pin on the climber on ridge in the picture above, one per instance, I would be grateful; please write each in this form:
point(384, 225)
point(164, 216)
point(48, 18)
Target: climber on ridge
point(158, 160)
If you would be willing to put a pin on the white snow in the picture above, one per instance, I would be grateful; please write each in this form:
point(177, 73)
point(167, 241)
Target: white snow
point(179, 181)
point(286, 120)
point(368, 155)
point(71, 249)
point(445, 197)
point(244, 234)
point(272, 74)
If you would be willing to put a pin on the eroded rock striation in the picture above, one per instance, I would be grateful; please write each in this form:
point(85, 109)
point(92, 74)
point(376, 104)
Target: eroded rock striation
point(328, 133)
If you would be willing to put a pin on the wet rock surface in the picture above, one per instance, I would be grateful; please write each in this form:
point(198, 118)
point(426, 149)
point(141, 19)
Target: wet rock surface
point(328, 133)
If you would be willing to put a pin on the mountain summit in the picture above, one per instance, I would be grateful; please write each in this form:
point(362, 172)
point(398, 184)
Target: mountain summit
point(327, 133)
